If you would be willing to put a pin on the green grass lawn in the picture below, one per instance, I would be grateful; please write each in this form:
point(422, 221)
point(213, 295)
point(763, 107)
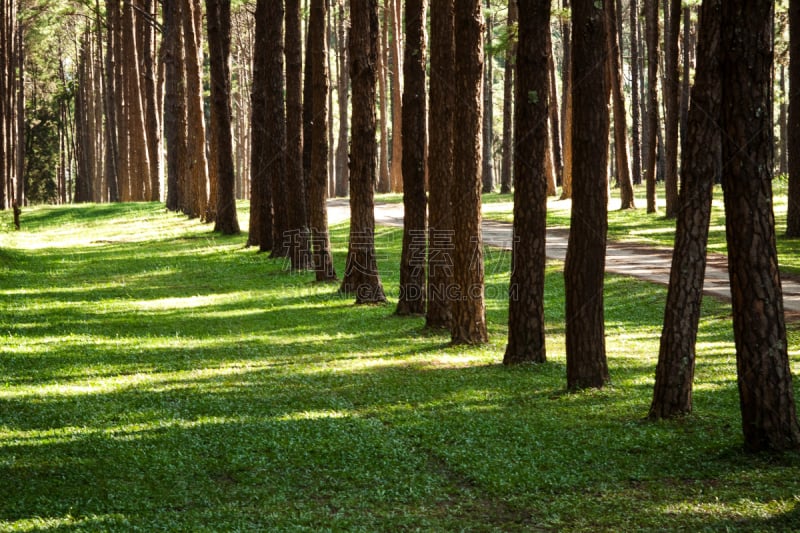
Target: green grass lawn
point(156, 376)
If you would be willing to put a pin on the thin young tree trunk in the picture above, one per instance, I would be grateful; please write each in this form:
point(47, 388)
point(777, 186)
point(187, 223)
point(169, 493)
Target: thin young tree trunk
point(361, 272)
point(152, 120)
point(686, 49)
point(412, 262)
point(174, 103)
point(331, 191)
point(556, 148)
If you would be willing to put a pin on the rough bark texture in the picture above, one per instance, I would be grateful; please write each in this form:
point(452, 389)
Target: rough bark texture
point(318, 182)
point(672, 85)
point(198, 164)
point(260, 184)
point(468, 325)
point(219, 46)
point(649, 141)
point(793, 213)
point(764, 376)
point(276, 131)
point(361, 271)
point(508, 103)
point(343, 86)
point(526, 295)
point(440, 230)
point(618, 99)
point(299, 252)
point(174, 105)
point(384, 180)
point(672, 394)
point(487, 172)
point(412, 261)
point(585, 263)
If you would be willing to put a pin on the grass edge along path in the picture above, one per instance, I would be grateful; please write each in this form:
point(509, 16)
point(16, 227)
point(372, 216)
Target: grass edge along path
point(158, 376)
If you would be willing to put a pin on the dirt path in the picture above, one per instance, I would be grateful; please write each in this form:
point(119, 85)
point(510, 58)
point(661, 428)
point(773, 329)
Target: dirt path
point(627, 259)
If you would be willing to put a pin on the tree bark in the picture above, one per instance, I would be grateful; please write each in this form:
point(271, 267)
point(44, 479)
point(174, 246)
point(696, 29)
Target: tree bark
point(361, 272)
point(440, 118)
point(651, 128)
point(487, 172)
point(342, 178)
point(672, 394)
point(556, 147)
point(508, 101)
point(468, 325)
point(219, 46)
point(152, 113)
point(526, 339)
point(793, 212)
point(766, 396)
point(299, 252)
point(174, 103)
point(318, 182)
point(412, 261)
point(618, 98)
point(636, 146)
point(566, 182)
point(276, 134)
point(585, 263)
point(384, 184)
point(397, 92)
point(672, 85)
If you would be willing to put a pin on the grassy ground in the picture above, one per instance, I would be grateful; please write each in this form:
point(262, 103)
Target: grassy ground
point(156, 376)
point(654, 229)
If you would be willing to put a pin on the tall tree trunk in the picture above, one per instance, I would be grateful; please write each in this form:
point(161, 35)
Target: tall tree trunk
point(585, 263)
point(320, 239)
point(107, 73)
point(468, 325)
point(342, 177)
point(384, 184)
point(766, 396)
point(138, 145)
point(397, 94)
point(526, 341)
point(487, 172)
point(783, 126)
point(412, 262)
point(219, 48)
point(672, 394)
point(566, 182)
point(636, 146)
point(440, 118)
point(331, 142)
point(556, 147)
point(308, 120)
point(198, 163)
point(618, 98)
point(152, 118)
point(174, 104)
point(672, 84)
point(686, 67)
point(361, 272)
point(508, 101)
point(793, 212)
point(299, 252)
point(123, 128)
point(651, 128)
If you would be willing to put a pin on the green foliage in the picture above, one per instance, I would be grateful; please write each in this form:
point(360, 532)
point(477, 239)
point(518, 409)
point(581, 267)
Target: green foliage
point(42, 153)
point(160, 377)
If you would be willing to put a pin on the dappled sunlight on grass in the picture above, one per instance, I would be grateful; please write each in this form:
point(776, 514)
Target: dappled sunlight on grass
point(173, 379)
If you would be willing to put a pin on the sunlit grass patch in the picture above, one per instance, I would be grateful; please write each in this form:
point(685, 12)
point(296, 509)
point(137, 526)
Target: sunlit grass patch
point(171, 379)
